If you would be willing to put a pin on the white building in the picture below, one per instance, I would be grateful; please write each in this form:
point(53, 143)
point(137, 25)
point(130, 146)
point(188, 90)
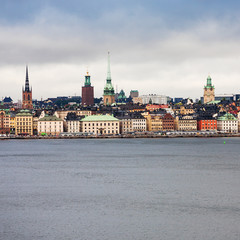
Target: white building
point(50, 125)
point(154, 98)
point(139, 124)
point(227, 123)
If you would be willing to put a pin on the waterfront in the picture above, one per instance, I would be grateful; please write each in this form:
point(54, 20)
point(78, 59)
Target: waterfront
point(120, 189)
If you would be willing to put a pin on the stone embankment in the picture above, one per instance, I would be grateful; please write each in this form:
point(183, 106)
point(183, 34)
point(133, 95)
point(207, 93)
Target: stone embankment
point(177, 135)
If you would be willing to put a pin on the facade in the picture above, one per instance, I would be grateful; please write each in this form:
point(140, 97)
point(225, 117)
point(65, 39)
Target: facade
point(4, 121)
point(27, 94)
point(154, 123)
point(73, 123)
point(154, 99)
point(24, 123)
point(209, 94)
point(108, 92)
point(139, 124)
point(206, 124)
point(186, 123)
point(100, 124)
point(134, 94)
point(227, 123)
point(87, 92)
point(125, 124)
point(168, 122)
point(50, 125)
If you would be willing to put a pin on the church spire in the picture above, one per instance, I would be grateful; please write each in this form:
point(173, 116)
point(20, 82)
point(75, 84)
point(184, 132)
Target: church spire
point(108, 70)
point(27, 81)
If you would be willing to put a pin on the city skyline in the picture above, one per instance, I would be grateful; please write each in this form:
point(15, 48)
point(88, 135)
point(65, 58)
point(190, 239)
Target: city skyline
point(155, 48)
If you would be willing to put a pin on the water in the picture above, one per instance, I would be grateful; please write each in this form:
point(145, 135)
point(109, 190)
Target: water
point(120, 189)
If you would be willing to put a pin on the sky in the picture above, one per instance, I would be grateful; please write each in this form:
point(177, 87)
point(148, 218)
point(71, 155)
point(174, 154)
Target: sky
point(166, 47)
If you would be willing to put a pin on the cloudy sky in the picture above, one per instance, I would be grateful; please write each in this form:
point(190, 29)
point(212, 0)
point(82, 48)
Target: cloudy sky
point(157, 46)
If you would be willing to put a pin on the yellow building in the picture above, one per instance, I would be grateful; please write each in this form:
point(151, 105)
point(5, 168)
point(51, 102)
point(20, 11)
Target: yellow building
point(186, 123)
point(154, 122)
point(24, 123)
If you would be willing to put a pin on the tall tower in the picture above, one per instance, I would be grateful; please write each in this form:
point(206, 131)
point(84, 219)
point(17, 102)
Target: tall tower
point(27, 94)
point(209, 94)
point(87, 92)
point(108, 92)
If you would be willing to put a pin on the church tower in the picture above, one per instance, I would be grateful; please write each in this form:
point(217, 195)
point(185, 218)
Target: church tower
point(108, 92)
point(27, 94)
point(209, 94)
point(87, 92)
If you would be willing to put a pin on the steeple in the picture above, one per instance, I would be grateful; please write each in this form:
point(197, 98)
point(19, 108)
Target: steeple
point(87, 80)
point(209, 83)
point(27, 81)
point(108, 70)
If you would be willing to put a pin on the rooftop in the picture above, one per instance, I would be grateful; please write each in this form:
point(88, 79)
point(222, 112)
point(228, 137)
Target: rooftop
point(100, 118)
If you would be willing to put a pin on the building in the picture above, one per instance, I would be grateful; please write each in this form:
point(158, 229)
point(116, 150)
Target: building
point(186, 123)
point(209, 94)
point(50, 125)
point(154, 99)
point(73, 123)
point(27, 94)
point(239, 122)
point(125, 124)
point(134, 94)
point(168, 122)
point(154, 122)
point(4, 121)
point(227, 123)
point(24, 123)
point(204, 124)
point(139, 123)
point(121, 98)
point(100, 124)
point(87, 92)
point(108, 92)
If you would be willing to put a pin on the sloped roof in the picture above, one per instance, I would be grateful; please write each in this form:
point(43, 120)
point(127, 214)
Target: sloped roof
point(100, 118)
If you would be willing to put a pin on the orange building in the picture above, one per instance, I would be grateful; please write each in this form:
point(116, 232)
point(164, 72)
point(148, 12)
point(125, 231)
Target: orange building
point(207, 124)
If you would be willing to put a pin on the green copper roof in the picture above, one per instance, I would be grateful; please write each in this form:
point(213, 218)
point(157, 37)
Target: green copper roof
point(209, 83)
point(24, 113)
point(214, 102)
point(50, 118)
point(87, 80)
point(227, 117)
point(108, 89)
point(99, 118)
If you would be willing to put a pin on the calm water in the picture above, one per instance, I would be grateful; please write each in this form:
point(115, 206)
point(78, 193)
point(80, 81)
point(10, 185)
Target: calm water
point(120, 189)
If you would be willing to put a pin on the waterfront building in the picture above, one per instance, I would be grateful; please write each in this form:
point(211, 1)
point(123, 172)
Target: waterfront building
point(227, 123)
point(204, 124)
point(50, 125)
point(108, 92)
point(186, 123)
point(168, 122)
point(4, 121)
point(154, 122)
point(239, 122)
point(209, 94)
point(87, 92)
point(27, 94)
point(73, 123)
point(100, 124)
point(12, 122)
point(154, 99)
point(24, 123)
point(125, 124)
point(139, 123)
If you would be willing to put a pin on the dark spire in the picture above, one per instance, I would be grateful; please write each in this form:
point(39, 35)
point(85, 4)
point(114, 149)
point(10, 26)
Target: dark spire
point(27, 81)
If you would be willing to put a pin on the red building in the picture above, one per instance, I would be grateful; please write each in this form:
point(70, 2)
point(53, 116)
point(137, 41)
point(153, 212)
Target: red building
point(27, 94)
point(168, 122)
point(207, 124)
point(87, 92)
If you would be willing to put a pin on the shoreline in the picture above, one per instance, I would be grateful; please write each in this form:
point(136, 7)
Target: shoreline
point(121, 136)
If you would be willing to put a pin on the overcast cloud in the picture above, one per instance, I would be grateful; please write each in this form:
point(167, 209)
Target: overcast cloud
point(162, 47)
